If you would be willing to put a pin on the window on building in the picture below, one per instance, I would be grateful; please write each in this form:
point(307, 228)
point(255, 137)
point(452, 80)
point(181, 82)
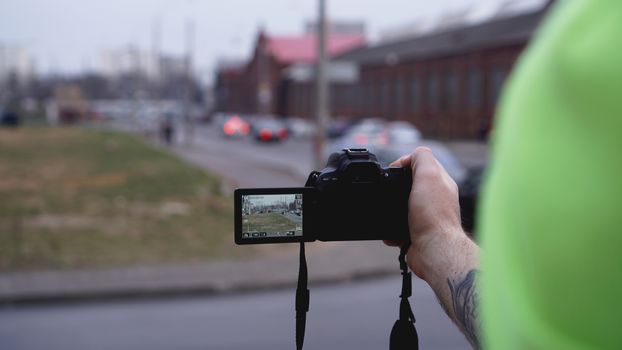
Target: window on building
point(415, 93)
point(361, 94)
point(358, 97)
point(474, 88)
point(399, 95)
point(370, 98)
point(353, 93)
point(386, 97)
point(376, 95)
point(347, 97)
point(363, 99)
point(498, 76)
point(433, 91)
point(451, 90)
point(303, 98)
point(335, 96)
point(308, 101)
point(297, 101)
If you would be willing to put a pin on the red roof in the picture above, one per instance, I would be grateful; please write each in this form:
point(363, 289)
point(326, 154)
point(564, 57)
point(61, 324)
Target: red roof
point(302, 49)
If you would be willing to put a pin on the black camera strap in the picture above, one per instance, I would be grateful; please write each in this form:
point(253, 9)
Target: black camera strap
point(404, 333)
point(302, 299)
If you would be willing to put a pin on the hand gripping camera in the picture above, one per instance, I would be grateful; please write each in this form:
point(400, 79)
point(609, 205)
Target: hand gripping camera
point(352, 199)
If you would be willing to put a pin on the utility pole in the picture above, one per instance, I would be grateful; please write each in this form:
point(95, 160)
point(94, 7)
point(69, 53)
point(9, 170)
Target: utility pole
point(156, 43)
point(188, 120)
point(321, 96)
point(264, 86)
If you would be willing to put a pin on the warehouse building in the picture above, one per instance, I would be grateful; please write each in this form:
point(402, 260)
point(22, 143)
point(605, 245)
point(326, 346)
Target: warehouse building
point(259, 86)
point(445, 82)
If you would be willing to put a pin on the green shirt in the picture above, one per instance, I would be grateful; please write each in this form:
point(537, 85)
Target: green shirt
point(551, 214)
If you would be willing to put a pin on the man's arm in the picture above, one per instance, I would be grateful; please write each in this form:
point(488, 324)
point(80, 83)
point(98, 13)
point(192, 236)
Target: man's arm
point(465, 298)
point(440, 252)
point(455, 282)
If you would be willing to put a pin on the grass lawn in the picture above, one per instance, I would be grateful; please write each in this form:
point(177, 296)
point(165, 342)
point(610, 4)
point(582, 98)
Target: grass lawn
point(270, 222)
point(72, 198)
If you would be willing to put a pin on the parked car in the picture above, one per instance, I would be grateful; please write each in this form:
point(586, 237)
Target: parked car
point(9, 118)
point(269, 130)
point(400, 133)
point(364, 134)
point(300, 128)
point(396, 137)
point(235, 126)
point(338, 127)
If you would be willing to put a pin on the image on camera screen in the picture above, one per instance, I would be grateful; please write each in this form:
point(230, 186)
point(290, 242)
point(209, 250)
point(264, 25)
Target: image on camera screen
point(271, 215)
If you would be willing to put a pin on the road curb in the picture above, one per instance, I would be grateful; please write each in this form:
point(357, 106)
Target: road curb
point(328, 263)
point(177, 292)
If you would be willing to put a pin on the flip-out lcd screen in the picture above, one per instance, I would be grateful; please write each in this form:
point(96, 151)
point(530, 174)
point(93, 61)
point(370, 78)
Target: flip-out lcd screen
point(272, 215)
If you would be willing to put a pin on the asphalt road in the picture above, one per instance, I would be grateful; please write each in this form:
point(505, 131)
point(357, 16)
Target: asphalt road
point(246, 163)
point(293, 217)
point(355, 315)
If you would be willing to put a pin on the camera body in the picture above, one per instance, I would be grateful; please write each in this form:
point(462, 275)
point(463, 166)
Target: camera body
point(352, 198)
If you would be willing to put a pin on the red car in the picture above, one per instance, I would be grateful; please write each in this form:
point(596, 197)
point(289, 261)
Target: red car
point(270, 130)
point(236, 126)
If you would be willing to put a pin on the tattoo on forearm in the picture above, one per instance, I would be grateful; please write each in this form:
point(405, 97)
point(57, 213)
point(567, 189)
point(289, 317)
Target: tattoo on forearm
point(465, 300)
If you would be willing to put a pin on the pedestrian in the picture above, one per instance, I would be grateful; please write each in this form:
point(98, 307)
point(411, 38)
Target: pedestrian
point(167, 130)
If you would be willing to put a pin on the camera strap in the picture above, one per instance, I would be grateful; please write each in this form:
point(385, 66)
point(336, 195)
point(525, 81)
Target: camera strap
point(302, 299)
point(404, 334)
point(302, 292)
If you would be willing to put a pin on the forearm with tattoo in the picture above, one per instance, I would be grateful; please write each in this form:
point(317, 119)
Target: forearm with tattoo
point(465, 302)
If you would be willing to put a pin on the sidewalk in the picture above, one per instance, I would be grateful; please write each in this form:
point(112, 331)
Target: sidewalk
point(327, 262)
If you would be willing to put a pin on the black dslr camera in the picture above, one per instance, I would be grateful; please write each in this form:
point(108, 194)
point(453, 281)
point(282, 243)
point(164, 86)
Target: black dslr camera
point(353, 198)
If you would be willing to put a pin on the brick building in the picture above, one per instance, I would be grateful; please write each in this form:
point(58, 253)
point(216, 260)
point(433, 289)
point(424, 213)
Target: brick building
point(229, 84)
point(258, 87)
point(446, 82)
point(300, 80)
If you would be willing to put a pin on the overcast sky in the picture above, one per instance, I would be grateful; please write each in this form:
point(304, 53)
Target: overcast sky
point(67, 35)
point(271, 199)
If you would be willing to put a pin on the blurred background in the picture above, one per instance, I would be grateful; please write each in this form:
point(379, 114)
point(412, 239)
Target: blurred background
point(125, 126)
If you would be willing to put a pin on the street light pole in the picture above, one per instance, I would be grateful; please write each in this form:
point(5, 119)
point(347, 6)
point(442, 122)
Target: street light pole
point(187, 98)
point(321, 97)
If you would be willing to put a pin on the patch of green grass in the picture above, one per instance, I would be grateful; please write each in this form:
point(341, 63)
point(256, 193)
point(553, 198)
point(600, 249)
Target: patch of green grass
point(268, 222)
point(73, 198)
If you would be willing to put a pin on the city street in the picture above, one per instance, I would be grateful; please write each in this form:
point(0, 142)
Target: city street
point(355, 315)
point(246, 163)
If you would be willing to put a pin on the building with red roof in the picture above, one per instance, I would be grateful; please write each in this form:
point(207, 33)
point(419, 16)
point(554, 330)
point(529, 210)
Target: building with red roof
point(446, 81)
point(302, 49)
point(261, 87)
